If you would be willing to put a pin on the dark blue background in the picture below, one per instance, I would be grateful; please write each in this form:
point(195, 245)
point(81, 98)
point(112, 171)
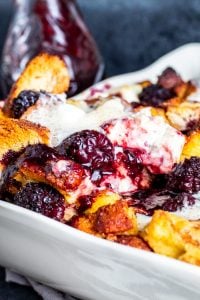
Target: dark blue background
point(130, 34)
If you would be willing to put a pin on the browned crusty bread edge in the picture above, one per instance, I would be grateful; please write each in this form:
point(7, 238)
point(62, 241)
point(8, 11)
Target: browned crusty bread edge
point(45, 72)
point(17, 134)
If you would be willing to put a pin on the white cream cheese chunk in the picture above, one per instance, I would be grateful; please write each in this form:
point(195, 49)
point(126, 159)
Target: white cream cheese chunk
point(64, 119)
point(157, 143)
point(55, 114)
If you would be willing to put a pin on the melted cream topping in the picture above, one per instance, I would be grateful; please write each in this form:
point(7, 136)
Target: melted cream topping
point(152, 134)
point(160, 144)
point(63, 119)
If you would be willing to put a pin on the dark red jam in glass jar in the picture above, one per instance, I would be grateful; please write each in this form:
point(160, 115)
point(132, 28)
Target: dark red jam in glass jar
point(53, 26)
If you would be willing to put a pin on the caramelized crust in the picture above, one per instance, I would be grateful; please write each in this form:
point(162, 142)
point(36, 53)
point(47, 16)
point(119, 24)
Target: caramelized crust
point(102, 198)
point(65, 180)
point(115, 218)
point(173, 101)
point(17, 134)
point(109, 221)
point(185, 89)
point(44, 72)
point(85, 224)
point(133, 241)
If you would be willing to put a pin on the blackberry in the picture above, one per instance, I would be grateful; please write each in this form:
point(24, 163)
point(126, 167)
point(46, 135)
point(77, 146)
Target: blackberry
point(185, 177)
point(89, 148)
point(171, 192)
point(155, 95)
point(24, 100)
point(178, 202)
point(85, 202)
point(149, 201)
point(39, 153)
point(192, 126)
point(41, 198)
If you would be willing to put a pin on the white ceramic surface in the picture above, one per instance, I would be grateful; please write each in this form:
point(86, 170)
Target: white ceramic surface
point(89, 267)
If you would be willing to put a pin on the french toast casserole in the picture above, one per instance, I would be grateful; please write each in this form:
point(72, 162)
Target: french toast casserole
point(122, 164)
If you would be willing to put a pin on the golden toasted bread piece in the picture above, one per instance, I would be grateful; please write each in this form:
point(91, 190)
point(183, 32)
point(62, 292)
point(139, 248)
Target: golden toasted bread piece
point(192, 255)
point(132, 241)
point(64, 182)
point(191, 239)
point(109, 221)
point(44, 72)
point(172, 101)
point(183, 115)
point(163, 234)
point(192, 146)
point(84, 223)
point(144, 83)
point(185, 89)
point(17, 134)
point(115, 218)
point(174, 236)
point(158, 112)
point(41, 164)
point(102, 198)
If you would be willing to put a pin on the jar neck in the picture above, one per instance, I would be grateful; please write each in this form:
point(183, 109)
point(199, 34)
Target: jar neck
point(24, 5)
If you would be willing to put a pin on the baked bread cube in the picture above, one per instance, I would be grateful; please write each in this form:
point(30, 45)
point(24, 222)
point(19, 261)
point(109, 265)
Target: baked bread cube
point(102, 198)
point(184, 116)
point(15, 135)
point(174, 236)
point(115, 219)
point(163, 234)
point(45, 72)
point(132, 241)
point(109, 221)
point(185, 89)
point(40, 163)
point(84, 223)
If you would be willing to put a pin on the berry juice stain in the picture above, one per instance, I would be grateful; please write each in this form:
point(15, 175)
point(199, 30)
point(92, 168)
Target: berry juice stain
point(56, 27)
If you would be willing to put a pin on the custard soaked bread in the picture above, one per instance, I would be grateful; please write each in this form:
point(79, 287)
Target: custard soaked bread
point(44, 73)
point(112, 166)
point(16, 135)
point(184, 116)
point(174, 236)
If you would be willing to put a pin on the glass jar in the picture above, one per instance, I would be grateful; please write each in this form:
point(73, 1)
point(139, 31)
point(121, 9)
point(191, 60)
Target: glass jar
point(53, 26)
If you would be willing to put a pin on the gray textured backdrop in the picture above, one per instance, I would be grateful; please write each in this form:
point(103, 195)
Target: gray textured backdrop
point(133, 33)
